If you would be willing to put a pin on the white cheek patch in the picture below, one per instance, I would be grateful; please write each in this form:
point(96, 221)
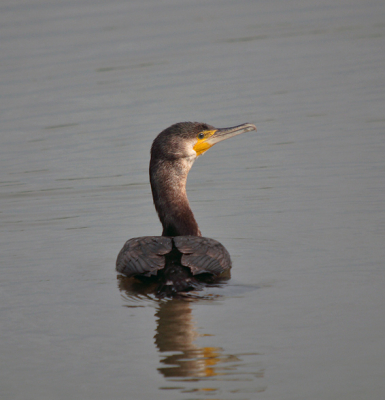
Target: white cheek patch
point(191, 154)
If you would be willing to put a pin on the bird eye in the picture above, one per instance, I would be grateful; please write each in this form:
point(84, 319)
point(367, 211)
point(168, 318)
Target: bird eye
point(201, 135)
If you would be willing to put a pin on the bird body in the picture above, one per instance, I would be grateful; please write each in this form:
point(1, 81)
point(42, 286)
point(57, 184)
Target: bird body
point(181, 258)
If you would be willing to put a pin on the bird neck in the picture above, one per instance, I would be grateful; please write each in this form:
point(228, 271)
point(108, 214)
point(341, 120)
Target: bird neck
point(168, 184)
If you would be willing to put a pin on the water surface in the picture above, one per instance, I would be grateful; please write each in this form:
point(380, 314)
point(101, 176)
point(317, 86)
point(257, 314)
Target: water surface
point(84, 89)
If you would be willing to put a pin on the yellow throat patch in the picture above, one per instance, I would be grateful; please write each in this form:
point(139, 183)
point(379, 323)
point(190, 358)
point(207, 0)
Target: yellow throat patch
point(202, 145)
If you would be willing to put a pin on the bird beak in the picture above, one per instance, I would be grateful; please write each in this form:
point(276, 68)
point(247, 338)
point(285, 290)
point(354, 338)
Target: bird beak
point(217, 135)
point(227, 133)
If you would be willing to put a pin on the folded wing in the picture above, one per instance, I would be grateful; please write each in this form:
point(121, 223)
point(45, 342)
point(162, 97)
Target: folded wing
point(203, 255)
point(143, 255)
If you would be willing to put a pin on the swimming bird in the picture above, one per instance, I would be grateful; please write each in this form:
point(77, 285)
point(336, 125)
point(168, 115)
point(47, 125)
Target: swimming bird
point(181, 258)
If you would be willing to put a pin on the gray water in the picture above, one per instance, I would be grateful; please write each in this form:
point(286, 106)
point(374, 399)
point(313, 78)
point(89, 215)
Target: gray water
point(85, 86)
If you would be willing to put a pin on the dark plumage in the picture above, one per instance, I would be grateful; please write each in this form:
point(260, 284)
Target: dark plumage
point(181, 257)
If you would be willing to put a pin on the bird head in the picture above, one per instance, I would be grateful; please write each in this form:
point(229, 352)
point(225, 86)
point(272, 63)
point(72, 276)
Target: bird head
point(192, 139)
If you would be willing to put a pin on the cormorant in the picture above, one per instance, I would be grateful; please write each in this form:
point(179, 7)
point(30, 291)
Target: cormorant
point(180, 258)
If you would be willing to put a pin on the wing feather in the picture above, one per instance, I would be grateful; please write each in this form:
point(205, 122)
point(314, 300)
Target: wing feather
point(203, 255)
point(143, 255)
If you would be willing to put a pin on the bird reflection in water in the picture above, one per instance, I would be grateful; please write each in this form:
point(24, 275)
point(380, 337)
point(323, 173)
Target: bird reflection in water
point(176, 333)
point(176, 336)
